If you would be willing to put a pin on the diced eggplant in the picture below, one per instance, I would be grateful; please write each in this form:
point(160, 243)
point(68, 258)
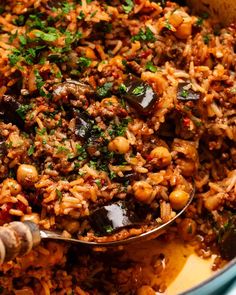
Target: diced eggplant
point(185, 93)
point(72, 88)
point(3, 146)
point(8, 111)
point(227, 242)
point(140, 95)
point(84, 125)
point(107, 219)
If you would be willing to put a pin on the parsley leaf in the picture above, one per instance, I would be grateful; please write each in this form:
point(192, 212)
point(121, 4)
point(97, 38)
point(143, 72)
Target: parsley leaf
point(138, 90)
point(146, 36)
point(31, 150)
point(149, 66)
point(23, 109)
point(128, 7)
point(59, 194)
point(104, 90)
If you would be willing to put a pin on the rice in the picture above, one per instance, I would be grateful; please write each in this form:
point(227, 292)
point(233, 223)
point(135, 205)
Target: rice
point(66, 110)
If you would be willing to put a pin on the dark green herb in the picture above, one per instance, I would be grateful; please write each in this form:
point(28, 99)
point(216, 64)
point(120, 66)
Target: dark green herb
point(149, 66)
point(122, 88)
point(19, 21)
point(119, 130)
point(84, 62)
point(206, 39)
point(14, 57)
point(41, 131)
point(167, 25)
point(98, 182)
point(59, 194)
point(23, 109)
point(31, 150)
point(108, 228)
point(184, 93)
point(146, 36)
point(128, 6)
point(67, 7)
point(105, 89)
point(81, 15)
point(93, 14)
point(13, 37)
point(199, 22)
point(138, 90)
point(23, 40)
point(39, 83)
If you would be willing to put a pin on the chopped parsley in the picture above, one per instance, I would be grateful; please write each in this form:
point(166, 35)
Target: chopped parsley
point(206, 39)
point(47, 37)
point(167, 25)
point(19, 21)
point(149, 66)
point(31, 150)
point(84, 62)
point(199, 22)
point(123, 88)
point(146, 36)
point(120, 129)
point(108, 228)
point(14, 57)
point(184, 93)
point(39, 83)
point(138, 90)
point(128, 6)
point(23, 109)
point(81, 15)
point(105, 89)
point(59, 194)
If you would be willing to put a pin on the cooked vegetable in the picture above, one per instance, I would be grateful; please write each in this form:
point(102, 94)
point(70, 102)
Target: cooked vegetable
point(139, 94)
point(161, 156)
point(9, 111)
point(143, 191)
point(71, 88)
point(227, 242)
point(178, 199)
point(84, 125)
point(120, 214)
point(186, 93)
point(119, 145)
point(27, 175)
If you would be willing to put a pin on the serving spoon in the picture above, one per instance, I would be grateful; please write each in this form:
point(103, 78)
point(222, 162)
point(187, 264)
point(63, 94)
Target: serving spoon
point(18, 238)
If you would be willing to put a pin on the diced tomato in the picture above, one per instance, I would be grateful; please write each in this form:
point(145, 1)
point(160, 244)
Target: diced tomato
point(186, 122)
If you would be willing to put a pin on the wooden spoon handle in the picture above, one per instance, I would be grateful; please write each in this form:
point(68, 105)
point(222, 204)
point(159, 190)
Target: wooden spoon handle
point(17, 239)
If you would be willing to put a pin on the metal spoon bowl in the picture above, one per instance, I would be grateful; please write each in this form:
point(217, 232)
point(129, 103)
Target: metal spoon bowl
point(18, 238)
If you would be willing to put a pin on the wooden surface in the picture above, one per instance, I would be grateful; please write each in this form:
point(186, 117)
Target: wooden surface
point(224, 10)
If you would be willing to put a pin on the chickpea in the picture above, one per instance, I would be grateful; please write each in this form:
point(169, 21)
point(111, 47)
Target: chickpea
point(161, 155)
point(34, 217)
point(27, 175)
point(178, 199)
point(119, 145)
point(145, 290)
point(12, 185)
point(187, 229)
point(143, 191)
point(184, 30)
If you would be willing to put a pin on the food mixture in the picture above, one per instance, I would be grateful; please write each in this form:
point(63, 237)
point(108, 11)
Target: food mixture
point(114, 103)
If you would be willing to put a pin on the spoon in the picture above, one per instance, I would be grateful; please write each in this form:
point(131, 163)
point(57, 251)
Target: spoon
point(18, 238)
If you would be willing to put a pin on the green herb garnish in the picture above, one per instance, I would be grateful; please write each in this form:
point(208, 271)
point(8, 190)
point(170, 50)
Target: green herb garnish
point(105, 89)
point(138, 90)
point(149, 66)
point(146, 36)
point(31, 150)
point(128, 6)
